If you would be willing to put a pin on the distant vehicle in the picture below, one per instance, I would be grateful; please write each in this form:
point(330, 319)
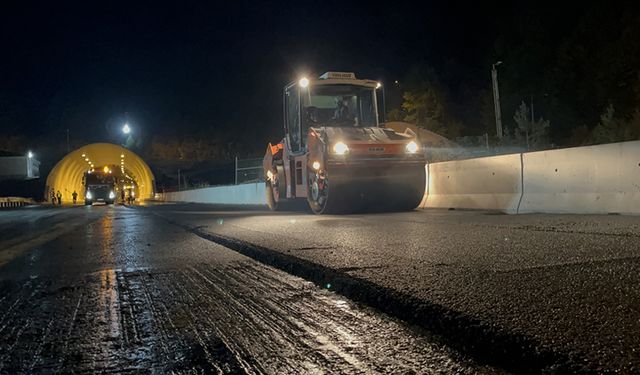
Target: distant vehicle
point(337, 156)
point(99, 187)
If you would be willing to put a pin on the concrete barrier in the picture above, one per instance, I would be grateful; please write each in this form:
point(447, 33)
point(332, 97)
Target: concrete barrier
point(595, 179)
point(253, 194)
point(484, 183)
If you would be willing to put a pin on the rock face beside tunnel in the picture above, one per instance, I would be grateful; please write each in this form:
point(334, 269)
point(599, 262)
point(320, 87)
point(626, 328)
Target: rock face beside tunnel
point(67, 174)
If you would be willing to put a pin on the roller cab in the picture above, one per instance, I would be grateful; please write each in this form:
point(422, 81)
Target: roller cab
point(336, 155)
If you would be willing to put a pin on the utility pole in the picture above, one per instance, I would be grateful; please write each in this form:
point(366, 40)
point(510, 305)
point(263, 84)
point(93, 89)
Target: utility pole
point(496, 99)
point(533, 118)
point(235, 181)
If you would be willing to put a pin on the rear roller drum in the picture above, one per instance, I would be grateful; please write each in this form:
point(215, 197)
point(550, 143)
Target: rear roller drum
point(275, 189)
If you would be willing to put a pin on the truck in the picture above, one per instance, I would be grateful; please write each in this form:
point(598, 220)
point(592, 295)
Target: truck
point(337, 154)
point(99, 186)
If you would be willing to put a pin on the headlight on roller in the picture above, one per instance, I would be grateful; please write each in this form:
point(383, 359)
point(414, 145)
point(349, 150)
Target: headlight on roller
point(112, 195)
point(412, 147)
point(340, 148)
point(88, 195)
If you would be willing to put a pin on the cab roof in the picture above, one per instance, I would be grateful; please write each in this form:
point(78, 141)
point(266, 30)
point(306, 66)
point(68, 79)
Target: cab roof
point(338, 78)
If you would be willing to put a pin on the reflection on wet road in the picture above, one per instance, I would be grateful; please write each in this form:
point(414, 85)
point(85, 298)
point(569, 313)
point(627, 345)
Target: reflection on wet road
point(135, 293)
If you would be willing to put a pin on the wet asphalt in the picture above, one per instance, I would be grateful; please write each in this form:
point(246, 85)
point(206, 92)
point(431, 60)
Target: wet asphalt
point(143, 290)
point(529, 293)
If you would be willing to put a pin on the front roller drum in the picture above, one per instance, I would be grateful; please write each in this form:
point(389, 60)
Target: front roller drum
point(366, 190)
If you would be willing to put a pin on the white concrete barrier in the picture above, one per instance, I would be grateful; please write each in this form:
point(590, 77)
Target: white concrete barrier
point(484, 183)
point(595, 179)
point(253, 194)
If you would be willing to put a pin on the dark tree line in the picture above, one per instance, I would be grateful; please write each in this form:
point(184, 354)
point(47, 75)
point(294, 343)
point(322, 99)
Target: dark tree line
point(569, 77)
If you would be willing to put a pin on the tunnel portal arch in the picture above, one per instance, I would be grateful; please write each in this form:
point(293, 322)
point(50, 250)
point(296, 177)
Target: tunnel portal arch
point(66, 176)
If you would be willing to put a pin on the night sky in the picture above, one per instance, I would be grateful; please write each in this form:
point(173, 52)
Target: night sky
point(188, 68)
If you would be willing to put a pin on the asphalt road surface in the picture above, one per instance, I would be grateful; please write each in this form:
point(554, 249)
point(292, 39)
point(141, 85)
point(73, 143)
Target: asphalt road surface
point(126, 290)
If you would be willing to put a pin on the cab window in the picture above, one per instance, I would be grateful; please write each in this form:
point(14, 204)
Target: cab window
point(292, 111)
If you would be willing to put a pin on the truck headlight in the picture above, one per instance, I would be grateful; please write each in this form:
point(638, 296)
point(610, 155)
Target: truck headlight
point(112, 195)
point(88, 195)
point(340, 148)
point(412, 147)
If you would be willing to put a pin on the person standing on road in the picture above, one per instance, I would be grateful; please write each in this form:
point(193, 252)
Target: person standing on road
point(53, 196)
point(122, 196)
point(75, 196)
point(59, 196)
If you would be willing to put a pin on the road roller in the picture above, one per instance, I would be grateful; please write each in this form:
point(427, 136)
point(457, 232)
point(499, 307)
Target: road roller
point(336, 153)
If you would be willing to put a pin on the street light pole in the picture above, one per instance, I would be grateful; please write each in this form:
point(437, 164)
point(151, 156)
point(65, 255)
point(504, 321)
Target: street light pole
point(496, 99)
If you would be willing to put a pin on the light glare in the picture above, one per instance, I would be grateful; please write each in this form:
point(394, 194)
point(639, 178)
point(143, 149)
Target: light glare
point(412, 147)
point(340, 148)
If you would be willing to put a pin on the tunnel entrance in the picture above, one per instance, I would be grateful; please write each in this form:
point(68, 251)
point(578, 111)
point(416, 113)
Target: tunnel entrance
point(129, 172)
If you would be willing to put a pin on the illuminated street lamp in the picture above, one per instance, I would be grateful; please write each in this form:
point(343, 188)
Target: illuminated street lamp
point(30, 154)
point(126, 129)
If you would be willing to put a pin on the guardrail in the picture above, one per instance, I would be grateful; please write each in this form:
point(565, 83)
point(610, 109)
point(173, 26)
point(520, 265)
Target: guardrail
point(13, 202)
point(248, 170)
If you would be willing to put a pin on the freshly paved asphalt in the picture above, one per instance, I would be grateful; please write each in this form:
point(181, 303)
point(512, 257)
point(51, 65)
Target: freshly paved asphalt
point(530, 293)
